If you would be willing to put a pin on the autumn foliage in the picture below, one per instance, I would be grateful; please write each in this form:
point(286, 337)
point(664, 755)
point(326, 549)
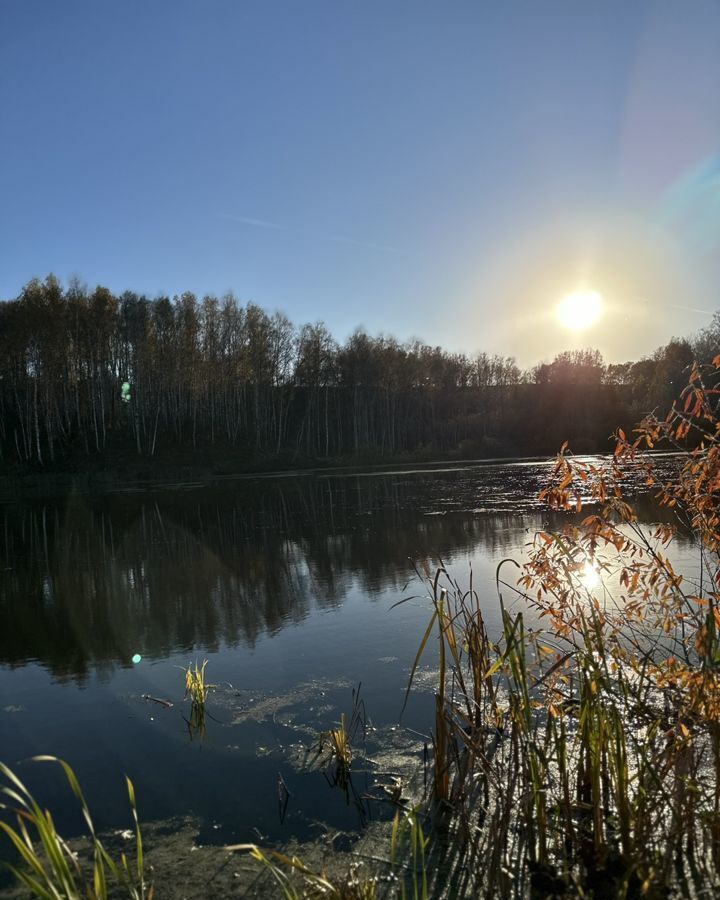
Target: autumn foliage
point(641, 591)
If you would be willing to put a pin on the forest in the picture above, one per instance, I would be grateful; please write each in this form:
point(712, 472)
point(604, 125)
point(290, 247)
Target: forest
point(91, 378)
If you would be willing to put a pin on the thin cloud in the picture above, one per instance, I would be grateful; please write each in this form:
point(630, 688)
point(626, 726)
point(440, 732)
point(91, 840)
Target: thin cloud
point(336, 238)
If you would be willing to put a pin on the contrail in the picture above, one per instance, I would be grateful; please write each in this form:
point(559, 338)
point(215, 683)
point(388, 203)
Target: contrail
point(702, 312)
point(337, 238)
point(256, 223)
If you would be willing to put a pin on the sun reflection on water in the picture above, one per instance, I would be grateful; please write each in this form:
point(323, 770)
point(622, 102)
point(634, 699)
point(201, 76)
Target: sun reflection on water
point(589, 576)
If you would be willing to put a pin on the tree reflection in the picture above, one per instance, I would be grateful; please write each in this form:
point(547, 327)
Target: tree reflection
point(85, 583)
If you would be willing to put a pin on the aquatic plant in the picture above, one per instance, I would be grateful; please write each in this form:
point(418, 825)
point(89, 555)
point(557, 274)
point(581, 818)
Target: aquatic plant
point(196, 722)
point(312, 884)
point(407, 838)
point(340, 744)
point(196, 688)
point(47, 866)
point(340, 739)
point(407, 864)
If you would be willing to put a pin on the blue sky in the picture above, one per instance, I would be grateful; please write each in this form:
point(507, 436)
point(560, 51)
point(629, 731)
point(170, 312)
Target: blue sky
point(441, 170)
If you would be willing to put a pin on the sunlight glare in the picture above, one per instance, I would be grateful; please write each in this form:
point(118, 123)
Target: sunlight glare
point(589, 576)
point(580, 310)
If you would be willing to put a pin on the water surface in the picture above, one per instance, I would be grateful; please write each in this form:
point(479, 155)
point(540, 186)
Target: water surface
point(285, 586)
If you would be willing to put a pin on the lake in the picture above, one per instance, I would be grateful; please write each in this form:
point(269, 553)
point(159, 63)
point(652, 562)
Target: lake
point(285, 585)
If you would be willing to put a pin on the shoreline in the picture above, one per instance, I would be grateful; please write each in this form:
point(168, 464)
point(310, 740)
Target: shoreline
point(163, 477)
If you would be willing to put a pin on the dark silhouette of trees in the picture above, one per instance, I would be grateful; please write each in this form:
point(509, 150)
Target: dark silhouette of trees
point(707, 342)
point(90, 374)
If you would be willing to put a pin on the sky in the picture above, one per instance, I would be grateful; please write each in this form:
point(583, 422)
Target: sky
point(447, 171)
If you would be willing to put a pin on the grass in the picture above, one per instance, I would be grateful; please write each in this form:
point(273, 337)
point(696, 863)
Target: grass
point(48, 868)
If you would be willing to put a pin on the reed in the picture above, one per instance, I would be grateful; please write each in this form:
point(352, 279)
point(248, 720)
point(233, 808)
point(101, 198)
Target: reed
point(196, 687)
point(583, 759)
point(407, 862)
point(47, 867)
point(341, 738)
point(407, 837)
point(538, 772)
point(310, 884)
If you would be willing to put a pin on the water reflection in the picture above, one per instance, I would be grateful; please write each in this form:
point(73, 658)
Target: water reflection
point(87, 583)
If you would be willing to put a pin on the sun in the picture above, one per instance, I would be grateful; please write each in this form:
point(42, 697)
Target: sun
point(580, 310)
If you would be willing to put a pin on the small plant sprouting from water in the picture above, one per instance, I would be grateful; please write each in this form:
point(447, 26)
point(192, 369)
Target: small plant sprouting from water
point(196, 688)
point(47, 867)
point(340, 739)
point(407, 878)
point(312, 884)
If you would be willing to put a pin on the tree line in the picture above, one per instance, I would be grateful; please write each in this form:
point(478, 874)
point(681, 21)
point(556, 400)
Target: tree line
point(87, 373)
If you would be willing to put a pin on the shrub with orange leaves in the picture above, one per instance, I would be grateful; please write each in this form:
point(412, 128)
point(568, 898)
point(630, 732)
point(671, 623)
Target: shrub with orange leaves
point(648, 611)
